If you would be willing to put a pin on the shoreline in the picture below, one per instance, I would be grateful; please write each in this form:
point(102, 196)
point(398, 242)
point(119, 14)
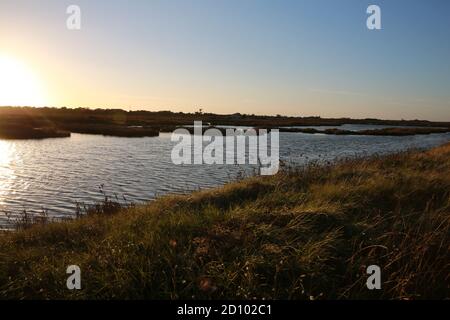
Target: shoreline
point(259, 237)
point(27, 133)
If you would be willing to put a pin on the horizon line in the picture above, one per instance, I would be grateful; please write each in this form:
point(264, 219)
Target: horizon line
point(225, 114)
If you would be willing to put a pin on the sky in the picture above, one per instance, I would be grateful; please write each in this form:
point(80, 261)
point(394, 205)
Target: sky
point(289, 57)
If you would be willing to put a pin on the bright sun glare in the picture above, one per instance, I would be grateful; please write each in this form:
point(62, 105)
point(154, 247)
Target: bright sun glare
point(18, 85)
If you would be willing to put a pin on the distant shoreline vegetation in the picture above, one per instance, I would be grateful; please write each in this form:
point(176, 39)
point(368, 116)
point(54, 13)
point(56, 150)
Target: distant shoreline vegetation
point(40, 123)
point(17, 131)
point(374, 132)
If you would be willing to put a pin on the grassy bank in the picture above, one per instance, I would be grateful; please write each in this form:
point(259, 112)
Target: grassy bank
point(16, 131)
point(303, 234)
point(24, 131)
point(113, 130)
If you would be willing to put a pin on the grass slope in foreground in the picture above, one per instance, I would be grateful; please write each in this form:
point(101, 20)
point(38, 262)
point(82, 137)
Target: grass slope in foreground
point(302, 234)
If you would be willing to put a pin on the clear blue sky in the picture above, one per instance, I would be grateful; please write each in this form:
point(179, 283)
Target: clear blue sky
point(294, 57)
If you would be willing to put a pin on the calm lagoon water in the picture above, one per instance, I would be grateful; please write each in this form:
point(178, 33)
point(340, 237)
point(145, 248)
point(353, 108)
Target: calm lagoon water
point(55, 174)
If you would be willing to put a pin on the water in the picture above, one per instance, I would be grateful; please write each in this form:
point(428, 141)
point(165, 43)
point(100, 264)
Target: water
point(55, 174)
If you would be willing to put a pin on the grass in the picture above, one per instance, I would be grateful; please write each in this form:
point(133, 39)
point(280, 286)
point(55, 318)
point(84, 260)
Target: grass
point(18, 131)
point(306, 233)
point(113, 130)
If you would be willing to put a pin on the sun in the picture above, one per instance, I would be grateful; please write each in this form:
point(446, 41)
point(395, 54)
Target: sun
point(19, 86)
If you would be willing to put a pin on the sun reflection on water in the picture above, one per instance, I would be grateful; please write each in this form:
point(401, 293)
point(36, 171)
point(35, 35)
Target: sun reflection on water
point(7, 175)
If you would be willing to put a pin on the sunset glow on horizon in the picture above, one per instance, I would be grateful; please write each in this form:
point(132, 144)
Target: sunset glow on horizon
point(19, 86)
